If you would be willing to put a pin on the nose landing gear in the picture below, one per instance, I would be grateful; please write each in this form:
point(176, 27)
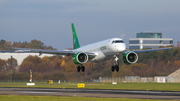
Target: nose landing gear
point(116, 65)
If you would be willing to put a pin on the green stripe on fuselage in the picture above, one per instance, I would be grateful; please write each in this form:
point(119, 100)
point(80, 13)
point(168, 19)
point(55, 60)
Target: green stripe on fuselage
point(75, 38)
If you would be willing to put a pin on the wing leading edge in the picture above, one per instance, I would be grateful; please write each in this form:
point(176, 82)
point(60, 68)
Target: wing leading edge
point(56, 52)
point(141, 51)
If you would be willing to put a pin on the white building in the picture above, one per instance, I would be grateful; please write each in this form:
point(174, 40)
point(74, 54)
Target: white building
point(140, 43)
point(20, 56)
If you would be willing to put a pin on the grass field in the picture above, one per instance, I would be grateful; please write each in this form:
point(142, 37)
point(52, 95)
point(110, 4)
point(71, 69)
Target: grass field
point(92, 85)
point(55, 98)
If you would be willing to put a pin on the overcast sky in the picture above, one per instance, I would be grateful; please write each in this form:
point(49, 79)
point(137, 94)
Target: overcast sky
point(50, 20)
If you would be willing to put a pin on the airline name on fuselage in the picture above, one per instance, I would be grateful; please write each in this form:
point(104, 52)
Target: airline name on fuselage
point(103, 48)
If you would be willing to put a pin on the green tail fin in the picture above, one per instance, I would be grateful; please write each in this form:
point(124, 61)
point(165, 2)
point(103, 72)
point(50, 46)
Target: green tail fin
point(75, 38)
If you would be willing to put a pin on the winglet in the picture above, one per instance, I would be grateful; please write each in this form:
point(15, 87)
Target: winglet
point(75, 38)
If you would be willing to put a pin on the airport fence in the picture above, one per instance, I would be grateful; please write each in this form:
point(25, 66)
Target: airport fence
point(137, 79)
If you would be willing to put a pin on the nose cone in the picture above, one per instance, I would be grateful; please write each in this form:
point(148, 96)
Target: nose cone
point(121, 47)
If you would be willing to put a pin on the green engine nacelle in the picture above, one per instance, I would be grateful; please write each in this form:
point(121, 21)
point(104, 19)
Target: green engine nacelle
point(80, 58)
point(130, 58)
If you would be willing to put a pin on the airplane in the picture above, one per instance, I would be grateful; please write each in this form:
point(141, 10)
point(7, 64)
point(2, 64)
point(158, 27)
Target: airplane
point(97, 52)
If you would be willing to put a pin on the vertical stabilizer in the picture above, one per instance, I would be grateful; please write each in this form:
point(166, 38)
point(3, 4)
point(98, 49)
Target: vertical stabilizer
point(75, 38)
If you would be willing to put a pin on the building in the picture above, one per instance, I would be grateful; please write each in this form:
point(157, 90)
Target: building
point(140, 43)
point(149, 35)
point(178, 44)
point(20, 56)
point(149, 40)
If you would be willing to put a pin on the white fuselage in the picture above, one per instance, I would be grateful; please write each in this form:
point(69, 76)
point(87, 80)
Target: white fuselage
point(104, 50)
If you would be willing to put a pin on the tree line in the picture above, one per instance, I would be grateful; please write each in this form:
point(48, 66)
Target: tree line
point(34, 44)
point(159, 63)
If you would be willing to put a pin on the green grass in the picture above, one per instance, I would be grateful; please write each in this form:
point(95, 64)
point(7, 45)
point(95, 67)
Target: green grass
point(55, 98)
point(92, 85)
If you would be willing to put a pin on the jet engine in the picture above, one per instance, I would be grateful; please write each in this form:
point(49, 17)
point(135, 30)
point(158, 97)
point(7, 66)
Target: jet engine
point(130, 58)
point(80, 58)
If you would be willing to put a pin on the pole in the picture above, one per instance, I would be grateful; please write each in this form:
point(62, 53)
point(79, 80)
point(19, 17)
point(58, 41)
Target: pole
point(30, 76)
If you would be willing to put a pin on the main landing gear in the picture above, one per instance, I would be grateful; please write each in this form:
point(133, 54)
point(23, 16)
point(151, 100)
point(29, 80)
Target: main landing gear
point(116, 65)
point(81, 68)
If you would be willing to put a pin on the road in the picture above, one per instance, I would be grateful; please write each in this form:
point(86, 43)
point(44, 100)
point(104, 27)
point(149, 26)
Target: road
point(92, 93)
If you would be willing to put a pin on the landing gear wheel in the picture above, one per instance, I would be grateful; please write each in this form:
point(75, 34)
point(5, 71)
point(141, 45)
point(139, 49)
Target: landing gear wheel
point(78, 68)
point(112, 68)
point(83, 68)
point(117, 68)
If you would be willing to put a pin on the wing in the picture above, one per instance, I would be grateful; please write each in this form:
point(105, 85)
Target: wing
point(55, 52)
point(2, 51)
point(40, 51)
point(141, 51)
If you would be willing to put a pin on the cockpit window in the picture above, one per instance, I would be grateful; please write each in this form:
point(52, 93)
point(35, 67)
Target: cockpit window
point(117, 41)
